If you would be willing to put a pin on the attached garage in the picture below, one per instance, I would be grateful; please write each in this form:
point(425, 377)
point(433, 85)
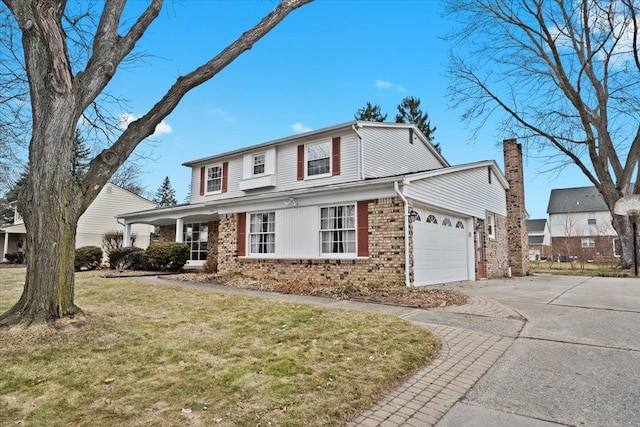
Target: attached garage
point(441, 249)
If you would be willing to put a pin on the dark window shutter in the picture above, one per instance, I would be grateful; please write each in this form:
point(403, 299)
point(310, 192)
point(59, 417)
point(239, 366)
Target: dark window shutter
point(225, 176)
point(300, 162)
point(335, 156)
point(202, 172)
point(410, 136)
point(363, 228)
point(242, 234)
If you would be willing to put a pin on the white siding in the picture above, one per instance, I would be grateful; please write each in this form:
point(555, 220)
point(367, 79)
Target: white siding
point(100, 217)
point(286, 165)
point(388, 152)
point(467, 192)
point(576, 224)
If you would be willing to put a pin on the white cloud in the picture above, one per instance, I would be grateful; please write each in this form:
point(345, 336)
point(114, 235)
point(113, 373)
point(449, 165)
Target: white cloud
point(300, 128)
point(222, 113)
point(162, 128)
point(383, 84)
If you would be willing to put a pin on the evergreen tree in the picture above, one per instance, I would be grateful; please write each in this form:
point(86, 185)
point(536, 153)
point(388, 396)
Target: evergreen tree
point(165, 196)
point(409, 111)
point(370, 113)
point(81, 157)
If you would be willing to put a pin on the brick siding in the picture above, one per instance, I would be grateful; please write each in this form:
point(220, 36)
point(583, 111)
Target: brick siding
point(496, 250)
point(601, 253)
point(385, 263)
point(167, 233)
point(516, 214)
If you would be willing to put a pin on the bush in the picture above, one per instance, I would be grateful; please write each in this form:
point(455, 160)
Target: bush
point(88, 257)
point(15, 258)
point(129, 258)
point(170, 256)
point(113, 240)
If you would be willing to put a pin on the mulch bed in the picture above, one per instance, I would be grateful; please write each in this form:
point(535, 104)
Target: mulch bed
point(422, 297)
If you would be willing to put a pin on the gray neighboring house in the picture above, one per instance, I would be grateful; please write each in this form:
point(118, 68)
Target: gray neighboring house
point(539, 239)
point(581, 228)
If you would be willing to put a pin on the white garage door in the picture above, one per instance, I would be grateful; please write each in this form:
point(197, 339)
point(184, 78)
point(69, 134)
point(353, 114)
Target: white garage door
point(440, 249)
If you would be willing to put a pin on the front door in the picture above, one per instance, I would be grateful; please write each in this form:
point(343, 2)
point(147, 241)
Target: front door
point(480, 248)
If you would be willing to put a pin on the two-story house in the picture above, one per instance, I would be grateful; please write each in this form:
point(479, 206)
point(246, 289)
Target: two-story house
point(99, 218)
point(352, 203)
point(580, 224)
point(539, 239)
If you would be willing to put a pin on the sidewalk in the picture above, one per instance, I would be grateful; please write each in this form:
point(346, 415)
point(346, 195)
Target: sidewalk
point(473, 338)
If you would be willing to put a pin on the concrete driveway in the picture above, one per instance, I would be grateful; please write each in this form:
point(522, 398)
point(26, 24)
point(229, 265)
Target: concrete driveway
point(575, 362)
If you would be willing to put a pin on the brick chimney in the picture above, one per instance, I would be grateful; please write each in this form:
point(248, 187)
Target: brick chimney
point(516, 215)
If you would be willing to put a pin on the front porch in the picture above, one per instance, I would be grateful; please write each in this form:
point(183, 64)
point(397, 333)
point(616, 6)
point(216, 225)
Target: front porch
point(195, 225)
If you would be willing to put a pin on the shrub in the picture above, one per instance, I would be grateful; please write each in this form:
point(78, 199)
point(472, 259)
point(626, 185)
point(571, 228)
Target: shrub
point(170, 256)
point(88, 257)
point(210, 266)
point(113, 240)
point(129, 258)
point(15, 258)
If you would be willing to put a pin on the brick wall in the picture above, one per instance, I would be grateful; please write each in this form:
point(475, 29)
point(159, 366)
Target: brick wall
point(516, 214)
point(496, 250)
point(385, 263)
point(602, 252)
point(167, 233)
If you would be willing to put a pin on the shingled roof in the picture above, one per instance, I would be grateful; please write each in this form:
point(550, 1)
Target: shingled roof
point(581, 199)
point(536, 225)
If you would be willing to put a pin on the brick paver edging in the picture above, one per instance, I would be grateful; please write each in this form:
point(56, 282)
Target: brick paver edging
point(422, 400)
point(480, 306)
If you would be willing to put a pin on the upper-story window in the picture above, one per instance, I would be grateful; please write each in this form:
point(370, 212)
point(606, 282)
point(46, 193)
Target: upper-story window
point(318, 158)
point(591, 218)
point(258, 164)
point(214, 179)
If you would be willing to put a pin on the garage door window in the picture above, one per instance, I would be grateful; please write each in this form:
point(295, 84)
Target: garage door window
point(460, 225)
point(431, 219)
point(447, 222)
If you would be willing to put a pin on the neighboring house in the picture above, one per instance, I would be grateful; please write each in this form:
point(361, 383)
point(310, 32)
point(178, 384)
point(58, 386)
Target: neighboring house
point(360, 202)
point(99, 218)
point(580, 224)
point(539, 239)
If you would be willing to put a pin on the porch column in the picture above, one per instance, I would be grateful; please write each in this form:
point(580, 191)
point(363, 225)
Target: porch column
point(126, 237)
point(5, 246)
point(179, 226)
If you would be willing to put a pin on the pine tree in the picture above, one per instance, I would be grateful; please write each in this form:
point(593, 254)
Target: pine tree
point(409, 111)
point(370, 113)
point(166, 195)
point(81, 157)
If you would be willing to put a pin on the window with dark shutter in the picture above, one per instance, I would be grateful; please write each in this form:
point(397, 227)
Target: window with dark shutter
point(335, 156)
point(300, 162)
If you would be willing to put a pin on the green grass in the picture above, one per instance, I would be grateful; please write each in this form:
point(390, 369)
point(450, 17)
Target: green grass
point(151, 355)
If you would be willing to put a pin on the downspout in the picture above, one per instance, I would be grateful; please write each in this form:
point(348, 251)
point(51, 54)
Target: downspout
point(407, 277)
point(360, 149)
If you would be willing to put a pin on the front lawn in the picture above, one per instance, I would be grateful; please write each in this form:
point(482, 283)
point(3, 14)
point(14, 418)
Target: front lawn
point(151, 355)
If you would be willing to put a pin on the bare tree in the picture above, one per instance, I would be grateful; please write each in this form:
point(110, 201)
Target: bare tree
point(61, 92)
point(566, 75)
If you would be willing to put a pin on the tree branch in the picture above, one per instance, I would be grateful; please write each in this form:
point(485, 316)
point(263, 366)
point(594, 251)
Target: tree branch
point(105, 164)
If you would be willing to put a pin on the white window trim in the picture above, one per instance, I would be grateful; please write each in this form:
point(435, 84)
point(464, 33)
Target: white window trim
point(249, 234)
point(264, 164)
point(190, 241)
point(491, 226)
point(342, 255)
point(306, 160)
point(590, 242)
point(206, 178)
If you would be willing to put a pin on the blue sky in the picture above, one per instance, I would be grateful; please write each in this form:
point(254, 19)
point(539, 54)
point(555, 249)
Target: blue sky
point(315, 69)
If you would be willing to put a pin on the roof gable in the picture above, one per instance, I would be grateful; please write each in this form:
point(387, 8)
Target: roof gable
point(536, 225)
point(581, 199)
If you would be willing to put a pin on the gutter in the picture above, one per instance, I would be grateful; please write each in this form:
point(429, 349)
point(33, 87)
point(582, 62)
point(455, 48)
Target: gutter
point(361, 149)
point(407, 277)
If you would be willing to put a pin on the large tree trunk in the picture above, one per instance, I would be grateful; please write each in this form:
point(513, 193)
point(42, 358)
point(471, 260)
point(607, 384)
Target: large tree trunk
point(624, 228)
point(51, 205)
